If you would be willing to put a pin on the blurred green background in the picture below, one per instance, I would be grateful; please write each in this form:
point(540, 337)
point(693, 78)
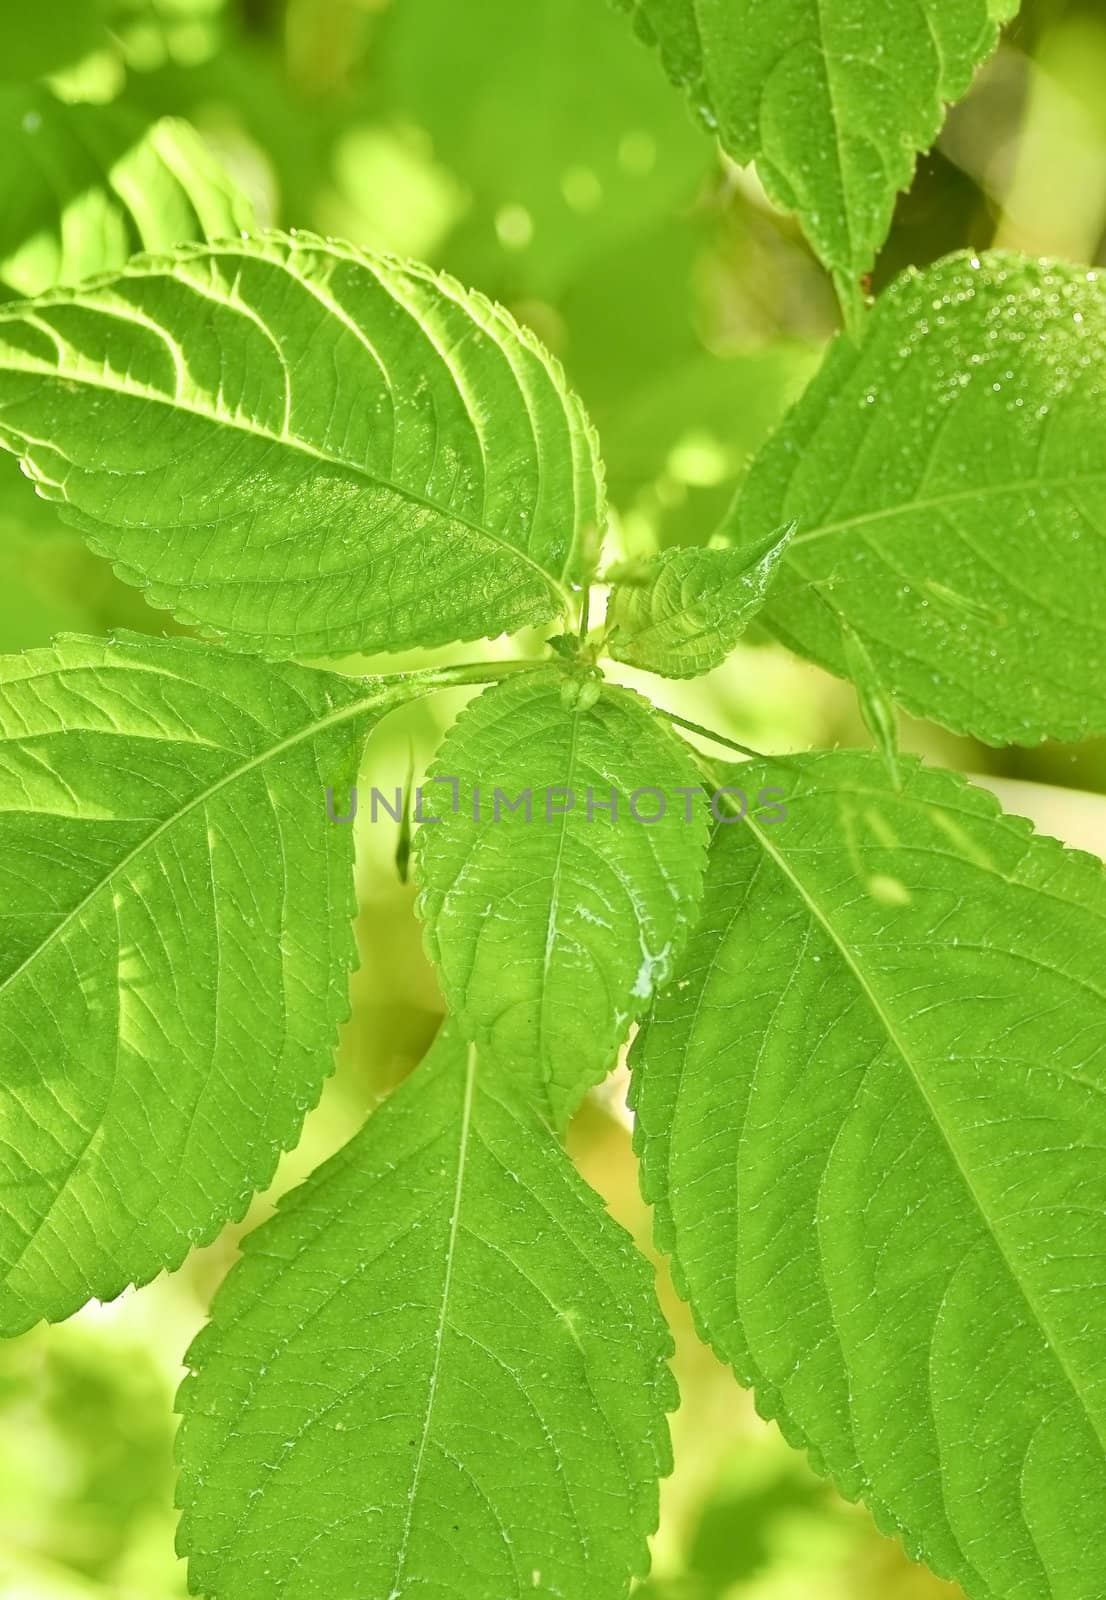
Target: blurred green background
point(532, 149)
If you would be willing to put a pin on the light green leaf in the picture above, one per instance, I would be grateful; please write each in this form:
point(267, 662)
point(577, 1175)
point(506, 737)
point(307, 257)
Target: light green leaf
point(175, 944)
point(84, 187)
point(871, 1111)
point(307, 449)
point(948, 484)
point(552, 924)
point(832, 99)
point(439, 1371)
point(50, 583)
point(680, 613)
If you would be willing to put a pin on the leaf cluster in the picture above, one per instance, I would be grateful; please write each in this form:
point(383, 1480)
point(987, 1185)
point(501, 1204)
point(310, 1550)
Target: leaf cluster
point(870, 1024)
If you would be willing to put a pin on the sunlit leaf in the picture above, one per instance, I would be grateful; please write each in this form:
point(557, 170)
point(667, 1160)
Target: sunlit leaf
point(946, 478)
point(307, 449)
point(833, 99)
point(439, 1370)
point(175, 946)
point(681, 612)
point(551, 919)
point(871, 1111)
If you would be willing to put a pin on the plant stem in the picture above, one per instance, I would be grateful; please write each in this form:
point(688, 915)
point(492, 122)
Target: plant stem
point(457, 676)
point(713, 779)
point(716, 738)
point(854, 307)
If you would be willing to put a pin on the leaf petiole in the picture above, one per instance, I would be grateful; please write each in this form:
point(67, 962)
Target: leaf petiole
point(716, 738)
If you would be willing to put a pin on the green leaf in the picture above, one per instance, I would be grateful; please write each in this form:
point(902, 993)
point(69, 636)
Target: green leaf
point(552, 924)
point(871, 1112)
point(947, 481)
point(51, 582)
point(438, 1370)
point(175, 946)
point(832, 99)
point(680, 613)
point(307, 449)
point(84, 187)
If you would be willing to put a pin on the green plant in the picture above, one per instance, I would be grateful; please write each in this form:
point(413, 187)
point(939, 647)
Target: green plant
point(868, 1078)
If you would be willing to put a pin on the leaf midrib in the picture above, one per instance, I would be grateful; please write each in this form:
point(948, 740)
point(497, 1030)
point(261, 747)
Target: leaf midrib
point(851, 265)
point(886, 1022)
point(443, 1314)
point(267, 436)
point(954, 497)
point(547, 1066)
point(380, 701)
